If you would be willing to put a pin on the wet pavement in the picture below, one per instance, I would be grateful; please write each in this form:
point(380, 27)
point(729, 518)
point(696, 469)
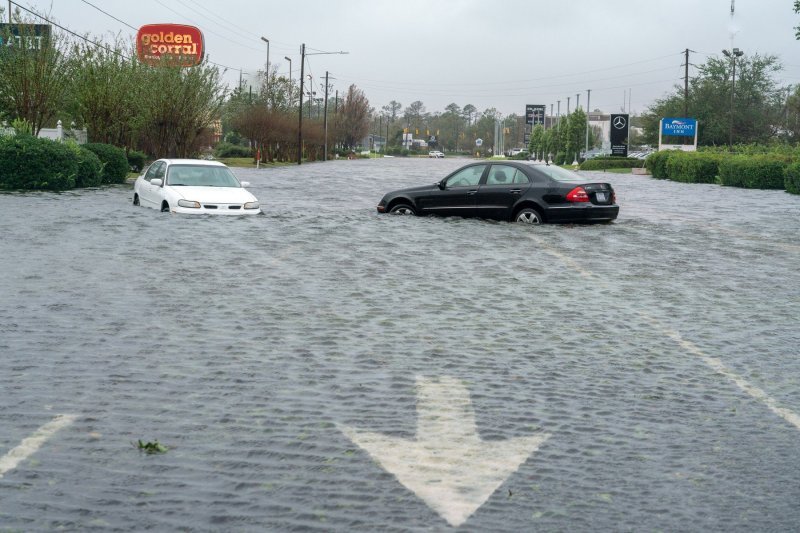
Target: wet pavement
point(641, 375)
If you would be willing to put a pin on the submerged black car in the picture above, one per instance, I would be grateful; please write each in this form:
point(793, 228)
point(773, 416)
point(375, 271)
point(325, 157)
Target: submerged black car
point(509, 190)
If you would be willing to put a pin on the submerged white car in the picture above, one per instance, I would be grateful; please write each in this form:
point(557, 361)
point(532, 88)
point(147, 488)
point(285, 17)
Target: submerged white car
point(194, 186)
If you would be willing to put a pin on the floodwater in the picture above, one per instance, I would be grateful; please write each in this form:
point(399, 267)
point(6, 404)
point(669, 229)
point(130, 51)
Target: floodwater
point(659, 353)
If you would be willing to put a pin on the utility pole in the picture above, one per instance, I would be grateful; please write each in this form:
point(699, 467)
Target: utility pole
point(300, 108)
point(568, 97)
point(325, 119)
point(577, 101)
point(686, 84)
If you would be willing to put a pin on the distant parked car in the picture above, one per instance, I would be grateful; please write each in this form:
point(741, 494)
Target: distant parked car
point(510, 190)
point(516, 151)
point(193, 186)
point(435, 153)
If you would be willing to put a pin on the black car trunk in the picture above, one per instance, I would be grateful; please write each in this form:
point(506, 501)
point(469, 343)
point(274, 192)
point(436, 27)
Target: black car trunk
point(599, 193)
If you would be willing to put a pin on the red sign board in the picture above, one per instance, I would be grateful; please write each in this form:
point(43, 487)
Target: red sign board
point(170, 44)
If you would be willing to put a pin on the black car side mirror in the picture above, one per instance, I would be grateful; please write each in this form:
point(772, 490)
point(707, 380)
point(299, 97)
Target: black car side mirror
point(440, 185)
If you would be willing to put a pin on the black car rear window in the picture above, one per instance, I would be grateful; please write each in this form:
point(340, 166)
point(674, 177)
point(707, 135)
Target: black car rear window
point(558, 173)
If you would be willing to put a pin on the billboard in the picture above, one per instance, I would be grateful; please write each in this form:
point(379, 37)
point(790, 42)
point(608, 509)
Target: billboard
point(534, 114)
point(170, 44)
point(24, 36)
point(682, 127)
point(619, 135)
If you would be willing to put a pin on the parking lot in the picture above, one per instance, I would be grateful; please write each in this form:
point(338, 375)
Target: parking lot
point(327, 368)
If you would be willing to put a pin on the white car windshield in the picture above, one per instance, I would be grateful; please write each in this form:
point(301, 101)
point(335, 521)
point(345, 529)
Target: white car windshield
point(201, 176)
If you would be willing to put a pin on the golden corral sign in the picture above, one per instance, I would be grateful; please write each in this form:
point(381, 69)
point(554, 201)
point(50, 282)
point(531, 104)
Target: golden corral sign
point(170, 44)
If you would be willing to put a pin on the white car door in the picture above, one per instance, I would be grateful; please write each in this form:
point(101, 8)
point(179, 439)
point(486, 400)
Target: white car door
point(151, 194)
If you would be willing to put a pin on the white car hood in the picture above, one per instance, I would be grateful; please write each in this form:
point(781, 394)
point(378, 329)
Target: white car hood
point(215, 195)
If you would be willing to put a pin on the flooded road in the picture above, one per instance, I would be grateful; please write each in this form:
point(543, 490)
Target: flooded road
point(641, 375)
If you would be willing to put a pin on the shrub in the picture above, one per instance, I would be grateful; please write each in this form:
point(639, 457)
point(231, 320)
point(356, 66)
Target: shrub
point(601, 163)
point(693, 167)
point(136, 160)
point(753, 172)
point(656, 163)
point(27, 162)
point(226, 149)
point(115, 164)
point(560, 157)
point(89, 166)
point(792, 178)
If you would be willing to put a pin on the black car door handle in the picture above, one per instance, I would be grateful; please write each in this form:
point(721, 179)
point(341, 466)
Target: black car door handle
point(472, 193)
point(515, 191)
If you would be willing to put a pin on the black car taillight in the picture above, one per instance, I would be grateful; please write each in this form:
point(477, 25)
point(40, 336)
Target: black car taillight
point(578, 194)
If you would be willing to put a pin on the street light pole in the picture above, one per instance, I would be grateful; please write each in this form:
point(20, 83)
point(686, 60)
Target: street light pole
point(267, 41)
point(588, 95)
point(300, 110)
point(733, 54)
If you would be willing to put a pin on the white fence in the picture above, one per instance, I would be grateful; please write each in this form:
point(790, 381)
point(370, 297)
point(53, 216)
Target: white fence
point(59, 133)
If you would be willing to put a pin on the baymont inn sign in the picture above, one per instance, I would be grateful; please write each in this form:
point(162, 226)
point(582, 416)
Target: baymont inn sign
point(672, 127)
point(170, 44)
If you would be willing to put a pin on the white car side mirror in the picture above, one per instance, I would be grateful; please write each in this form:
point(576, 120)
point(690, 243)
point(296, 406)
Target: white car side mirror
point(156, 182)
point(245, 184)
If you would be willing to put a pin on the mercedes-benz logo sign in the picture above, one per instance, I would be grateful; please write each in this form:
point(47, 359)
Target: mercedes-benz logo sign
point(619, 122)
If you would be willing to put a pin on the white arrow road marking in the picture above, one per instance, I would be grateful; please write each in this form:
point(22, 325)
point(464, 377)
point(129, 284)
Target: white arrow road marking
point(447, 466)
point(30, 445)
point(714, 363)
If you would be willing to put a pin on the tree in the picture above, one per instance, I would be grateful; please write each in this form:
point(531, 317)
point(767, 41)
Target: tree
point(469, 110)
point(181, 104)
point(536, 144)
point(792, 127)
point(34, 80)
point(757, 106)
point(797, 28)
point(107, 93)
point(391, 109)
point(353, 117)
point(414, 115)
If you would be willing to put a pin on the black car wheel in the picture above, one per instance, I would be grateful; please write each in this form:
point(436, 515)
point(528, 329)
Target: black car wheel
point(135, 199)
point(402, 209)
point(529, 215)
point(165, 207)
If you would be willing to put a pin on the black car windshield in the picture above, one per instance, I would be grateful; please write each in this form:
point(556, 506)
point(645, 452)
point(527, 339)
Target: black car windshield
point(201, 176)
point(558, 173)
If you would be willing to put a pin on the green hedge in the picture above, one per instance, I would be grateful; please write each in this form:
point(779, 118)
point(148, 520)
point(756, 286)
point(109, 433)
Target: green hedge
point(656, 164)
point(136, 160)
point(693, 167)
point(792, 178)
point(115, 164)
point(226, 149)
point(27, 162)
point(753, 172)
point(601, 163)
point(90, 169)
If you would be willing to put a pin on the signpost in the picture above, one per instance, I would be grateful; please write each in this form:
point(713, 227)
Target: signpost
point(170, 45)
point(24, 36)
point(677, 127)
point(534, 114)
point(619, 135)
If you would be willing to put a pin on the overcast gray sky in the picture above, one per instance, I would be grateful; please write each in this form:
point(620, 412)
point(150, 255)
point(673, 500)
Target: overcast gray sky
point(501, 53)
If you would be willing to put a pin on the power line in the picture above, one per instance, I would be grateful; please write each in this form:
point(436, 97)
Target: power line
point(124, 23)
point(100, 45)
point(109, 15)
